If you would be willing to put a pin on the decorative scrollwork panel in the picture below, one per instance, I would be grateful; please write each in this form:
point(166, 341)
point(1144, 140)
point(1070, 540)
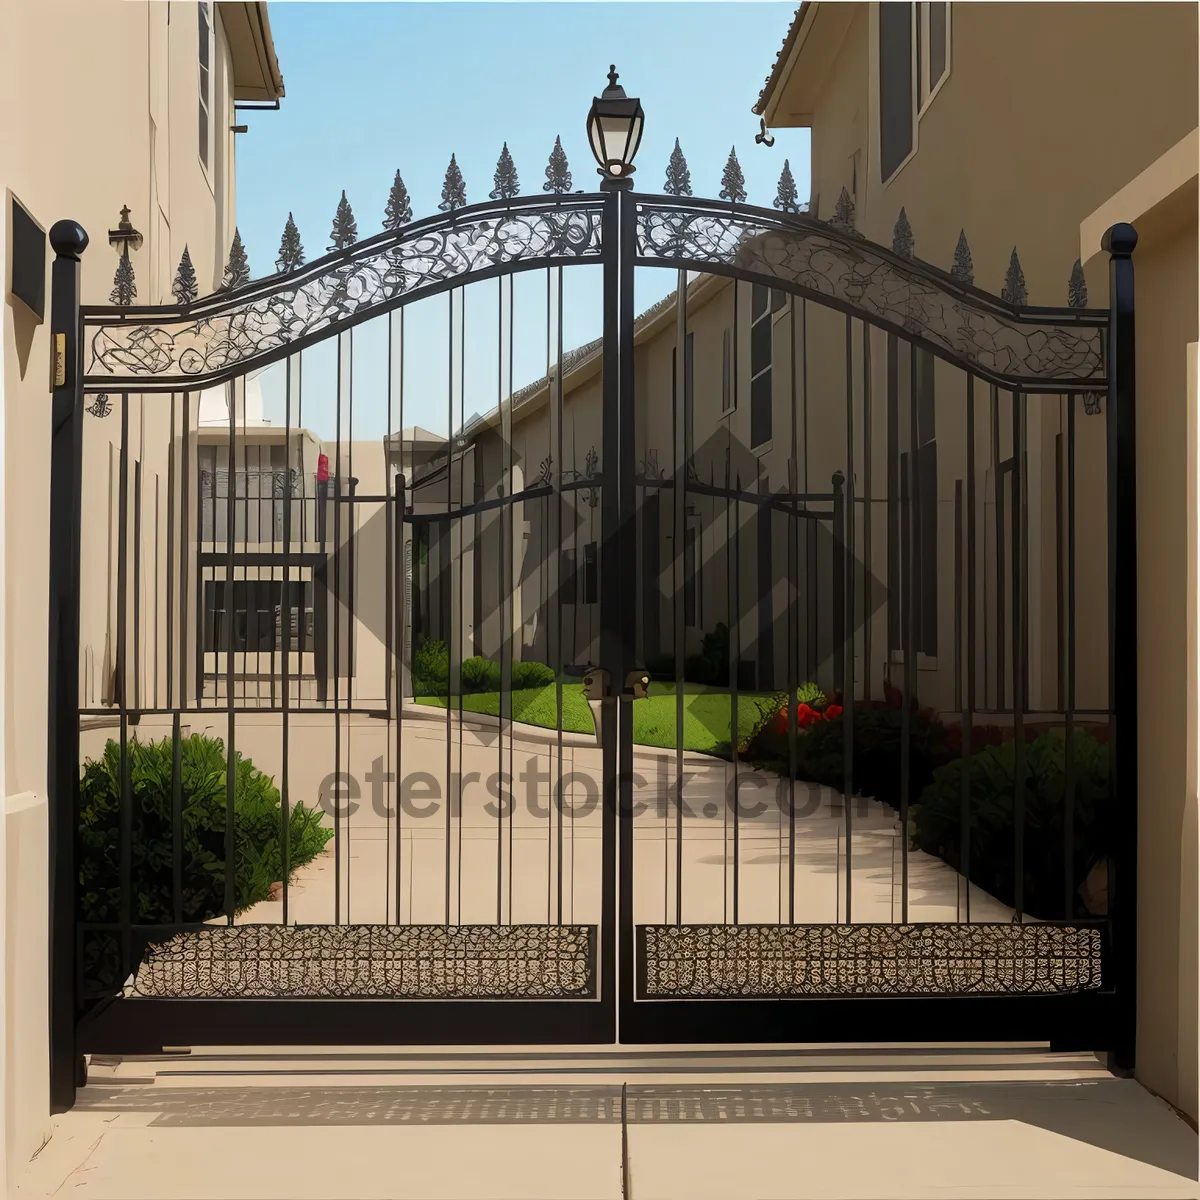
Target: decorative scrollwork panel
point(413, 962)
point(749, 961)
point(1039, 350)
point(227, 335)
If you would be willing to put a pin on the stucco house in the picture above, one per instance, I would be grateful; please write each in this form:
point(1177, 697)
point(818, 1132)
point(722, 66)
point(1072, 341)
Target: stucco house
point(967, 119)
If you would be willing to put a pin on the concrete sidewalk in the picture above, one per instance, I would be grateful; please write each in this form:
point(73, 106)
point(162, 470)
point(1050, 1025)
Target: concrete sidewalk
point(701, 1124)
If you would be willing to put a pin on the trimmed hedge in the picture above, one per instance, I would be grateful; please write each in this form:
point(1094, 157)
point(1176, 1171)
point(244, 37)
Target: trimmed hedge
point(258, 859)
point(478, 675)
point(935, 823)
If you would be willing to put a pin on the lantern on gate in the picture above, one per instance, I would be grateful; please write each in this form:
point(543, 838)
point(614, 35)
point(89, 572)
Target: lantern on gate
point(615, 129)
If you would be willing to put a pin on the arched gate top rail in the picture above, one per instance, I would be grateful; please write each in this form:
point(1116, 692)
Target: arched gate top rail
point(147, 349)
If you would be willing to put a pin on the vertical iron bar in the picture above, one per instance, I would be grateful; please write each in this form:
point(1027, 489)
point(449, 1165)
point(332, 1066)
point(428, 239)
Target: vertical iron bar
point(968, 714)
point(505, 619)
point(230, 641)
point(185, 551)
point(402, 608)
point(735, 644)
point(794, 518)
point(336, 479)
point(908, 582)
point(137, 581)
point(847, 680)
point(679, 564)
point(549, 533)
point(447, 580)
point(172, 480)
point(506, 708)
point(176, 819)
point(1119, 243)
point(460, 622)
point(292, 381)
point(66, 467)
point(868, 500)
point(838, 549)
point(125, 853)
point(1069, 758)
point(556, 591)
point(1000, 684)
point(1018, 655)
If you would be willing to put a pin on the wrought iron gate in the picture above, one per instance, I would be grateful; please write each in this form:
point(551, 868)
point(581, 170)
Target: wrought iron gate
point(736, 600)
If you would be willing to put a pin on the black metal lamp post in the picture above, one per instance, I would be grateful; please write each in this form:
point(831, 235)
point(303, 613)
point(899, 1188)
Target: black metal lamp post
point(615, 132)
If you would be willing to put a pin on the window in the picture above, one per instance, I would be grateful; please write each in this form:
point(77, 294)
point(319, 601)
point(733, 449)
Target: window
point(912, 532)
point(205, 105)
point(569, 586)
point(691, 577)
point(760, 366)
point(27, 260)
point(590, 580)
point(895, 86)
point(931, 57)
point(727, 371)
point(914, 59)
point(688, 423)
point(257, 616)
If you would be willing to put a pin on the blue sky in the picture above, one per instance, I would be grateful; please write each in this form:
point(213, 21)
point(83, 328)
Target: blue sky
point(376, 87)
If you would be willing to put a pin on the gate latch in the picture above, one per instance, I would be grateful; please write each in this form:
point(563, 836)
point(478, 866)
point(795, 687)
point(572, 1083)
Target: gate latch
point(637, 683)
point(595, 683)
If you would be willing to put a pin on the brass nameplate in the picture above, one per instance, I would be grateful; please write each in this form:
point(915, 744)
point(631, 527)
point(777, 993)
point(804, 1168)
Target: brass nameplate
point(60, 360)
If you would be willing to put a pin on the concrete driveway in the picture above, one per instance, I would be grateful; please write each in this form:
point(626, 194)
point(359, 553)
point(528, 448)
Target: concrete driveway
point(764, 1123)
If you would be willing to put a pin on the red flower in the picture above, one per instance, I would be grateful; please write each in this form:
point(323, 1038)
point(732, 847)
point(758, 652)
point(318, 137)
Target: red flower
point(806, 716)
point(832, 712)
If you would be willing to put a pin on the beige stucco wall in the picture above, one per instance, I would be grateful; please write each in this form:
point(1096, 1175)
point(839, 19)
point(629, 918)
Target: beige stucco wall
point(100, 101)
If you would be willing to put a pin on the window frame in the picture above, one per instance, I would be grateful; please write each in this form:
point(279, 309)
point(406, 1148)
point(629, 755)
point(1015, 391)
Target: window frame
point(206, 44)
point(766, 316)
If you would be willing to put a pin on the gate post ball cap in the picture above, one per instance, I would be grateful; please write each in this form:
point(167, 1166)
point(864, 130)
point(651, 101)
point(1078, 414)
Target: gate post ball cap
point(68, 238)
point(1120, 239)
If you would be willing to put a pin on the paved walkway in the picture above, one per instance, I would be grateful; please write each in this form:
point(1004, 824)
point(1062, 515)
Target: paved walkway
point(742, 1124)
point(462, 860)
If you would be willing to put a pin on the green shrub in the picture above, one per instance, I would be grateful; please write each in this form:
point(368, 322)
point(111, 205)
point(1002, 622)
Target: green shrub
point(811, 694)
point(430, 662)
point(756, 737)
point(530, 675)
point(935, 823)
point(258, 859)
point(481, 675)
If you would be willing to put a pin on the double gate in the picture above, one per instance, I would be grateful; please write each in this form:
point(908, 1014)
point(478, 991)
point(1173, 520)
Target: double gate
point(728, 682)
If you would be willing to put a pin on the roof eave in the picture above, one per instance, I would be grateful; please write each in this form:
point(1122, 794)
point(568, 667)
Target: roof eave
point(256, 74)
point(765, 105)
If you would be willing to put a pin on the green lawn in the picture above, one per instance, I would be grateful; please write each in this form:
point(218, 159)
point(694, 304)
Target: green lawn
point(533, 706)
point(705, 713)
point(705, 717)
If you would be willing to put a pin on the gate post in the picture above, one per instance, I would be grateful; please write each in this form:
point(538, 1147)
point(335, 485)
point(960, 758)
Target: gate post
point(69, 240)
point(1119, 243)
point(618, 581)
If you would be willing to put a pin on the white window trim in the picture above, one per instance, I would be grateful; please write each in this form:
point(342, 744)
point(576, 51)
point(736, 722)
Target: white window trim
point(921, 47)
point(206, 168)
point(728, 369)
